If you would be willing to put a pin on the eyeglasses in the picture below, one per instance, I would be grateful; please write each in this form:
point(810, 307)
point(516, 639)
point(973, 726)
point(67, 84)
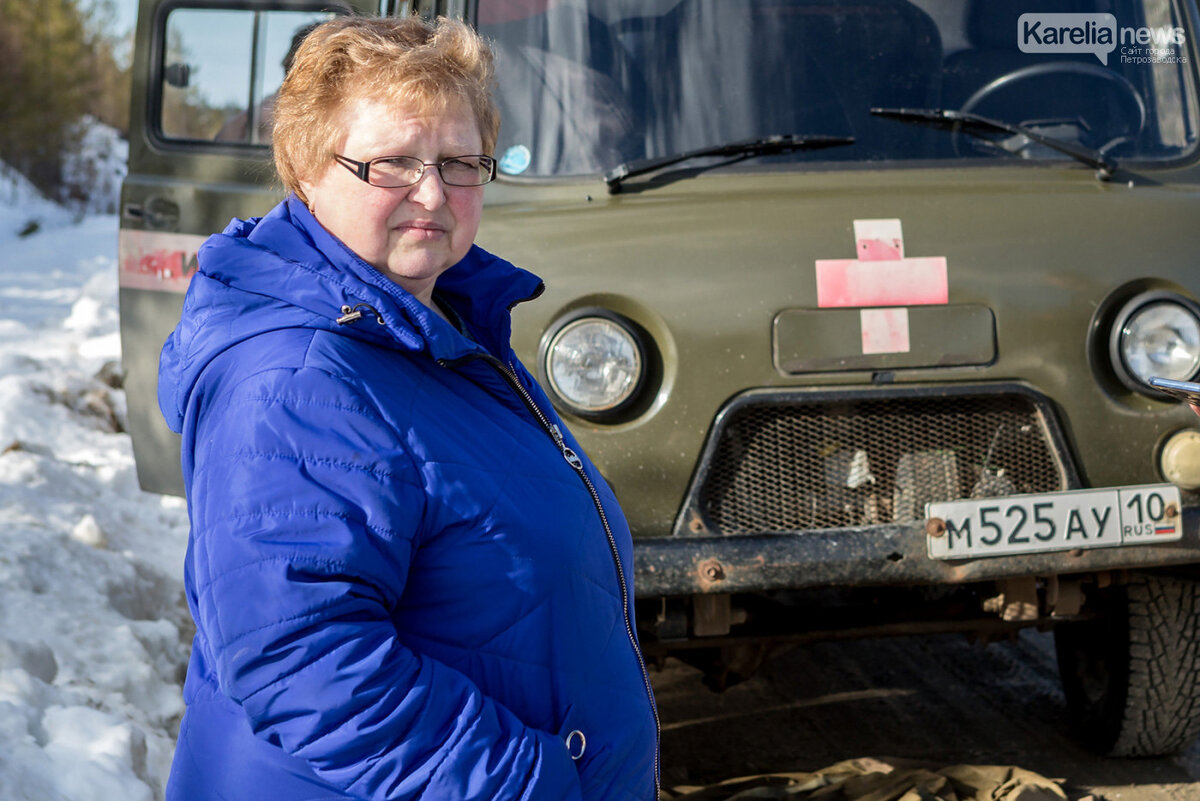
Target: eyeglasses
point(397, 171)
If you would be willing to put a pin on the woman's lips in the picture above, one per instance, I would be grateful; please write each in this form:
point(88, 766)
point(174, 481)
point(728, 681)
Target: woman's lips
point(422, 229)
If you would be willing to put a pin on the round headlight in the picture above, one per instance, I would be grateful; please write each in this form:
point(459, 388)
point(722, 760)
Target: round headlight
point(1158, 336)
point(594, 364)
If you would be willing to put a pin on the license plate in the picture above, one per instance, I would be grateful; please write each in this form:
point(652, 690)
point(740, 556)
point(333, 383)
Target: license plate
point(1054, 521)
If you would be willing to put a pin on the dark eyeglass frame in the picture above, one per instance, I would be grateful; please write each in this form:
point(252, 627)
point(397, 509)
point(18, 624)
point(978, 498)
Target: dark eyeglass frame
point(362, 169)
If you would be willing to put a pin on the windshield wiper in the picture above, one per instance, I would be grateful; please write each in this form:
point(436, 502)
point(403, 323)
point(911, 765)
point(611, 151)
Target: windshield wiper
point(946, 118)
point(767, 146)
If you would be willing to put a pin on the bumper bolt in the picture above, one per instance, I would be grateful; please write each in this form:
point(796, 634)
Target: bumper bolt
point(935, 526)
point(711, 570)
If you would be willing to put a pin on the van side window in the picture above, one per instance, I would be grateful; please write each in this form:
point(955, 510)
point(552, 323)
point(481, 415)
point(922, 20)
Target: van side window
point(222, 68)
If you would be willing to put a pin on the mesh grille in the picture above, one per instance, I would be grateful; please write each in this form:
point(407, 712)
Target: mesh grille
point(785, 466)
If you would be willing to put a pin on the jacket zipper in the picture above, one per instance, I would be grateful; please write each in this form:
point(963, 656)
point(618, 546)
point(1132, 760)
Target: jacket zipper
point(509, 373)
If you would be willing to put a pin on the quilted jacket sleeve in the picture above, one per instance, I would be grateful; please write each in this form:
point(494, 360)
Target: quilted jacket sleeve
point(304, 513)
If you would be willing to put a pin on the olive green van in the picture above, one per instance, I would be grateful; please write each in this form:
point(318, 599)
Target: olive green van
point(854, 302)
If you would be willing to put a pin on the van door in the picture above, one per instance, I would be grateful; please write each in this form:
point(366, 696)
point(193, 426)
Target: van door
point(205, 75)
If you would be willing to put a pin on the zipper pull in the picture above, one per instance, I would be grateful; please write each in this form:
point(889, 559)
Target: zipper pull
point(349, 315)
point(571, 456)
point(354, 314)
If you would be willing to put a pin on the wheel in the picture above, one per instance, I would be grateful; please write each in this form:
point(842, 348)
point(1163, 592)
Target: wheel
point(1073, 93)
point(1131, 676)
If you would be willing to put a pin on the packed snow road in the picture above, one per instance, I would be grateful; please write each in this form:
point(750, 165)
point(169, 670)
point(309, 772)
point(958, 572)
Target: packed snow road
point(940, 699)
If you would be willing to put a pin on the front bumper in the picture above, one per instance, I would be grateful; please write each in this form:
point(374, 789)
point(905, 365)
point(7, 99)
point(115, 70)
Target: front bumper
point(876, 555)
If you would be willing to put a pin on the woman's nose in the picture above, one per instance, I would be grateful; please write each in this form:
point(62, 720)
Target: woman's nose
point(429, 190)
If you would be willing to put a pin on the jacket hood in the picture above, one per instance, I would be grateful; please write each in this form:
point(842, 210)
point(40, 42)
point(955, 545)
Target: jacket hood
point(285, 270)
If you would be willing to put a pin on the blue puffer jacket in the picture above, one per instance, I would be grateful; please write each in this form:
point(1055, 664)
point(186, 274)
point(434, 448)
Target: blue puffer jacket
point(401, 577)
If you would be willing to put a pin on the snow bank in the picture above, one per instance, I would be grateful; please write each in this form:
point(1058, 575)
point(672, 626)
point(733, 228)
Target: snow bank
point(94, 632)
point(98, 167)
point(22, 209)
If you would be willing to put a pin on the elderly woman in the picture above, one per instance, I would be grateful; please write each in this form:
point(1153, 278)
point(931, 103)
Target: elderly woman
point(407, 580)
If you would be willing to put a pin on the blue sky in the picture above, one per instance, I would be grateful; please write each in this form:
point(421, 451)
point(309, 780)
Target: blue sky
point(126, 15)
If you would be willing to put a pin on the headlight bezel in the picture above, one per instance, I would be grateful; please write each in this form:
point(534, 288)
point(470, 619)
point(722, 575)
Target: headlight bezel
point(637, 338)
point(1127, 314)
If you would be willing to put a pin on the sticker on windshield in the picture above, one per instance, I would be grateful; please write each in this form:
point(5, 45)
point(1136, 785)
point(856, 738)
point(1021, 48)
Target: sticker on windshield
point(515, 160)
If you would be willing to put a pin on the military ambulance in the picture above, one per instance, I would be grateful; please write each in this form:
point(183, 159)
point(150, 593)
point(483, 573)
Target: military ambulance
point(854, 303)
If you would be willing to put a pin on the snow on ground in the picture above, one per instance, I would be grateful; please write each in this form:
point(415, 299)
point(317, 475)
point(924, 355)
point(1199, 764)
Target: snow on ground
point(94, 633)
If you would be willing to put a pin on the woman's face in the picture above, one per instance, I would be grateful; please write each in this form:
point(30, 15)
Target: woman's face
point(411, 234)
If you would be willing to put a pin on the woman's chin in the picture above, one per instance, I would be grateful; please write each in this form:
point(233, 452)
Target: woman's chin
point(416, 275)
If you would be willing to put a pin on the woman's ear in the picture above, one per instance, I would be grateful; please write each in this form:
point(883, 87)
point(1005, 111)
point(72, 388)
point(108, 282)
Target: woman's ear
point(304, 193)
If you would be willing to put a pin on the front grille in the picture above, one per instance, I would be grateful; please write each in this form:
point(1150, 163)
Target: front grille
point(830, 462)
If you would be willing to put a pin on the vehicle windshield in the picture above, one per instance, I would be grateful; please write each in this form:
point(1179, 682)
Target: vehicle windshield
point(587, 85)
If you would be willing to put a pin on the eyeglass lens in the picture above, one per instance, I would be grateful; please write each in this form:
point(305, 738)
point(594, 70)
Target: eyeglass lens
point(406, 170)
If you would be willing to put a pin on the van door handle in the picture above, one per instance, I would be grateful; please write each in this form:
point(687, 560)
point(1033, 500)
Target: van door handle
point(158, 213)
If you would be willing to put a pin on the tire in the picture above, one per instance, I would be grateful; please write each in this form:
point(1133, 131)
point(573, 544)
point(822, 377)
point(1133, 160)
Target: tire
point(1131, 676)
